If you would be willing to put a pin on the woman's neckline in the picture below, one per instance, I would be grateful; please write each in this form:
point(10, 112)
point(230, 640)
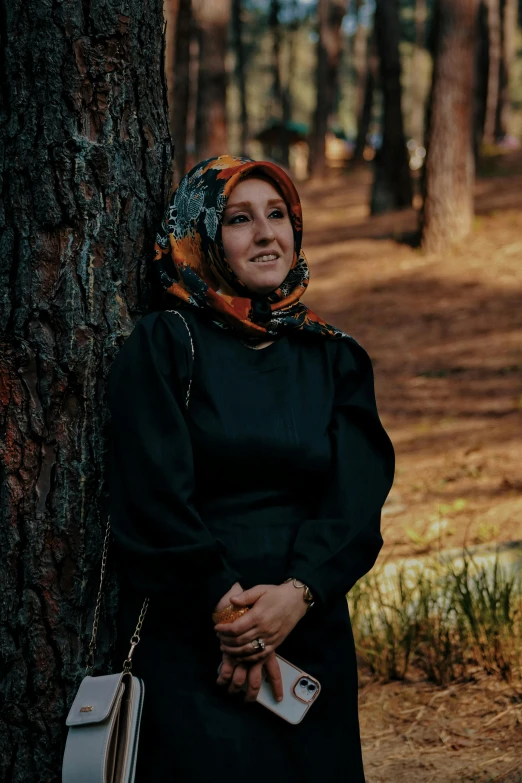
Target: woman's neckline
point(247, 351)
point(260, 346)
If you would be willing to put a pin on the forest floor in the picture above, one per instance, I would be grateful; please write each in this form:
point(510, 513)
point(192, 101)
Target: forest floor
point(445, 335)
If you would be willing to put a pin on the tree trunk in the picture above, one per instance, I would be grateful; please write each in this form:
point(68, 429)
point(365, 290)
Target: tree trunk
point(448, 205)
point(392, 181)
point(170, 14)
point(237, 24)
point(365, 61)
point(85, 153)
point(481, 77)
point(193, 82)
point(418, 113)
point(293, 28)
point(276, 104)
point(330, 17)
point(179, 105)
point(508, 19)
point(275, 29)
point(213, 19)
point(494, 58)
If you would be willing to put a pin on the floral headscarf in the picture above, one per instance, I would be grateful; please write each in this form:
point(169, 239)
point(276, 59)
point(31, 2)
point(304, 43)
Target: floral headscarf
point(191, 264)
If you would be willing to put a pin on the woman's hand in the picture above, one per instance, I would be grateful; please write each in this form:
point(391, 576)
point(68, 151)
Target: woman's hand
point(243, 676)
point(225, 601)
point(232, 672)
point(255, 678)
point(275, 612)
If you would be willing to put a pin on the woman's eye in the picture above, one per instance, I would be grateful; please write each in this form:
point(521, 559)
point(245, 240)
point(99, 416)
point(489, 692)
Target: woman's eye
point(278, 213)
point(237, 219)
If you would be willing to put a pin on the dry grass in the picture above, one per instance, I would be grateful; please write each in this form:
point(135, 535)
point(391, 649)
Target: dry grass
point(467, 733)
point(447, 620)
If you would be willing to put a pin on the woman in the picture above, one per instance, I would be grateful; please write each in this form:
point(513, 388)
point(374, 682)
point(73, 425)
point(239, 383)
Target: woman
point(276, 469)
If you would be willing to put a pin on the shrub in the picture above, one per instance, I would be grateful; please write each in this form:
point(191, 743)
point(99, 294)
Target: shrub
point(446, 619)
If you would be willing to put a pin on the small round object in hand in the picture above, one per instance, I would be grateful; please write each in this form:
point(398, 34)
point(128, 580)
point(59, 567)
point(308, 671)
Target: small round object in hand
point(229, 614)
point(258, 644)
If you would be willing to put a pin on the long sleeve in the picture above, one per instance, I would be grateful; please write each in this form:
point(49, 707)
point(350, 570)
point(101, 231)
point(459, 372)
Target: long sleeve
point(162, 543)
point(332, 551)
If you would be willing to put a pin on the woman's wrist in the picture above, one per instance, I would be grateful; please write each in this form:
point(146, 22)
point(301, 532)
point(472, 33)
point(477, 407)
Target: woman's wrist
point(295, 597)
point(302, 590)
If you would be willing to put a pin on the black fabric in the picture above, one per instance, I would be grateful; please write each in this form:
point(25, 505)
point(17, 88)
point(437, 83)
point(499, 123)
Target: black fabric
point(261, 310)
point(279, 467)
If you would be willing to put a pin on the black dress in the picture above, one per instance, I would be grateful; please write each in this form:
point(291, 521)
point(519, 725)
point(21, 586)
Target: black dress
point(279, 467)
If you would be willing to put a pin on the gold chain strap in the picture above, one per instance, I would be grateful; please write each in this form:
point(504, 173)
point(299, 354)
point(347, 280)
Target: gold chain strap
point(176, 312)
point(135, 638)
point(92, 643)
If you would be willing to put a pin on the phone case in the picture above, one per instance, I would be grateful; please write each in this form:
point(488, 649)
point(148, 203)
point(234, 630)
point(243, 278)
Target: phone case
point(300, 690)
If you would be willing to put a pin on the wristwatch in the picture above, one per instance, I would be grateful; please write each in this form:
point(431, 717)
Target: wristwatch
point(307, 593)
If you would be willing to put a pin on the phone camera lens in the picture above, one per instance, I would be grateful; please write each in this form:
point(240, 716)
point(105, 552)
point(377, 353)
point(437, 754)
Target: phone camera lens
point(311, 687)
point(303, 683)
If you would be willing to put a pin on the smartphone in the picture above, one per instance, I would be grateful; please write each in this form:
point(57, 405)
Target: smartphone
point(300, 690)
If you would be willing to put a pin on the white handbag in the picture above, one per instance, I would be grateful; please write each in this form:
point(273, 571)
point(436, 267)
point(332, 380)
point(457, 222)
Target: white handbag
point(104, 719)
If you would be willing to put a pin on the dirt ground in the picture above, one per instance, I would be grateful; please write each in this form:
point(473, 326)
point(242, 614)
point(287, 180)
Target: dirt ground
point(445, 335)
point(414, 731)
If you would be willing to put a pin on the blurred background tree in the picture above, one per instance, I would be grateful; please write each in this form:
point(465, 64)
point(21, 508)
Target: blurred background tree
point(448, 204)
point(330, 17)
point(392, 183)
point(508, 32)
point(365, 63)
point(239, 50)
point(322, 86)
point(212, 18)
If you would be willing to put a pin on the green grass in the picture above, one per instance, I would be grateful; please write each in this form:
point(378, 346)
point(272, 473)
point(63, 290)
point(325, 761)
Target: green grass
point(448, 621)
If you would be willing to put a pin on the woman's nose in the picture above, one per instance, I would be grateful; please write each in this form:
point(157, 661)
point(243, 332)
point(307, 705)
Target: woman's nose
point(264, 231)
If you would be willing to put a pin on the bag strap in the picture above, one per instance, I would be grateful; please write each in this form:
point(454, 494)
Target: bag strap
point(135, 638)
point(176, 312)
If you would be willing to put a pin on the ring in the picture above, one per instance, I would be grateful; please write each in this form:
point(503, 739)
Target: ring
point(258, 644)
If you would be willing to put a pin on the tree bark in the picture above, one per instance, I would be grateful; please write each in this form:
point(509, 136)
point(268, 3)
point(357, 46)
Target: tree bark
point(85, 156)
point(392, 181)
point(494, 58)
point(508, 19)
point(237, 25)
point(170, 14)
point(330, 17)
point(213, 19)
point(179, 105)
point(448, 205)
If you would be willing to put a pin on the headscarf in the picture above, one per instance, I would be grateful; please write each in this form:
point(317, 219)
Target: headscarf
point(191, 264)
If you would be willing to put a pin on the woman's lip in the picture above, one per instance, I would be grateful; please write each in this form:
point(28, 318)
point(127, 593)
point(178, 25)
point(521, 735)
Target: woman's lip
point(257, 259)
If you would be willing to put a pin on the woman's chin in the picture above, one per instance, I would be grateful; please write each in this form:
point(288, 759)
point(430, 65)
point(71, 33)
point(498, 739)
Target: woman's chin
point(265, 281)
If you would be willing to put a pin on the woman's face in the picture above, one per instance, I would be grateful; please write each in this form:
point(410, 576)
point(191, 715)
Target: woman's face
point(257, 235)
